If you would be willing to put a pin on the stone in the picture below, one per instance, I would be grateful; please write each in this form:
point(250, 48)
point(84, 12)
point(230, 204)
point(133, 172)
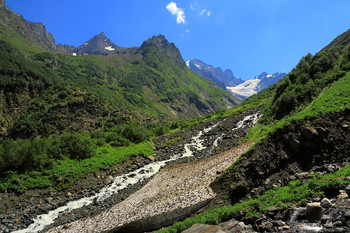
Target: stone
point(204, 228)
point(337, 224)
point(346, 213)
point(302, 175)
point(284, 228)
point(309, 133)
point(109, 180)
point(326, 203)
point(313, 211)
point(271, 209)
point(294, 144)
point(59, 179)
point(342, 194)
point(347, 189)
point(151, 158)
point(69, 194)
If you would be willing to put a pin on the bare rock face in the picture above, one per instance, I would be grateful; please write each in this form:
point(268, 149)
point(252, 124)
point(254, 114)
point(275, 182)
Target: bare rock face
point(33, 31)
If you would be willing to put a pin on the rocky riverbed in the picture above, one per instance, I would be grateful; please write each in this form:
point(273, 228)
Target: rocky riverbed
point(20, 212)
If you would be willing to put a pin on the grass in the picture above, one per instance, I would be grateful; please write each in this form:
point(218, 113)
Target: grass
point(172, 141)
point(334, 98)
point(71, 170)
point(279, 197)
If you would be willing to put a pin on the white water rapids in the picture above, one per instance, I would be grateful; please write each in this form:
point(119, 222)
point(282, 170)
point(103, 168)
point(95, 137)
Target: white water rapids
point(123, 181)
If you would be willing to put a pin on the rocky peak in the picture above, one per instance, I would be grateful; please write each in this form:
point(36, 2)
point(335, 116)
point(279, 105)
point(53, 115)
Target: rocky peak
point(98, 45)
point(160, 45)
point(216, 75)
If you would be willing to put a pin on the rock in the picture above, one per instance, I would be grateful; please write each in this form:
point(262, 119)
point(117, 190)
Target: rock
point(309, 133)
point(271, 209)
point(151, 158)
point(342, 194)
point(59, 179)
point(266, 226)
point(204, 228)
point(294, 144)
point(337, 224)
point(284, 228)
point(69, 194)
point(347, 189)
point(302, 175)
point(346, 213)
point(313, 211)
point(233, 226)
point(326, 203)
point(109, 180)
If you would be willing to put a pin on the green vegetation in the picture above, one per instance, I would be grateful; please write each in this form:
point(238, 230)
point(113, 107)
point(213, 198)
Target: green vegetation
point(334, 98)
point(279, 197)
point(38, 166)
point(172, 141)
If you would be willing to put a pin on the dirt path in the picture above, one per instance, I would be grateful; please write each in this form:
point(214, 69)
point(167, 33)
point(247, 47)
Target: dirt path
point(176, 191)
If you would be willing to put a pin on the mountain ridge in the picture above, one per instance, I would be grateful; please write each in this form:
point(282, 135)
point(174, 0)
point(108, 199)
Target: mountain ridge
point(147, 83)
point(216, 75)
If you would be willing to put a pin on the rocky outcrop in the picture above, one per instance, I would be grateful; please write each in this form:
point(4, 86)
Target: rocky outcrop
point(289, 153)
point(32, 31)
point(65, 49)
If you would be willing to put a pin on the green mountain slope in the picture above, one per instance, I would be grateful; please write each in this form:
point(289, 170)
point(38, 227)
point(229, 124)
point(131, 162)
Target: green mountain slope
point(43, 93)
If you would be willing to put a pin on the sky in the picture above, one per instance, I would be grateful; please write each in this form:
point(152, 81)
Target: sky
point(247, 36)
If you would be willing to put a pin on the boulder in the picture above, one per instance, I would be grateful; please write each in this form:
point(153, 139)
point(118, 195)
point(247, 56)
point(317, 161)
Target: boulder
point(294, 144)
point(313, 211)
point(326, 203)
point(204, 228)
point(309, 133)
point(109, 180)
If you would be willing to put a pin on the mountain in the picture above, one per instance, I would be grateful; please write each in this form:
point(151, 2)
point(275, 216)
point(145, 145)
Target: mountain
point(253, 86)
point(341, 40)
point(44, 93)
point(216, 75)
point(35, 32)
point(98, 45)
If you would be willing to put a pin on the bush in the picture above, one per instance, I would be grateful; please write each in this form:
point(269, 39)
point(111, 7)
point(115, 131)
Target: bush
point(73, 146)
point(136, 133)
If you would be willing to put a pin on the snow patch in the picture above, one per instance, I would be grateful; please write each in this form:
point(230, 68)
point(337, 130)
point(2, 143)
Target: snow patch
point(86, 43)
point(188, 64)
point(109, 48)
point(246, 89)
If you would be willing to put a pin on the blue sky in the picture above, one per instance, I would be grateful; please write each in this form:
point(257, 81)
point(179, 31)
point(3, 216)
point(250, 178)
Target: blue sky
point(246, 36)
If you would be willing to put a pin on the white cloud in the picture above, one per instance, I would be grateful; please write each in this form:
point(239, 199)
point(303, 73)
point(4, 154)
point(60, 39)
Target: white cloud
point(205, 12)
point(187, 31)
point(174, 10)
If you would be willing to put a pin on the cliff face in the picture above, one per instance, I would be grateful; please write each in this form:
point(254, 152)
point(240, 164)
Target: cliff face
point(32, 31)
